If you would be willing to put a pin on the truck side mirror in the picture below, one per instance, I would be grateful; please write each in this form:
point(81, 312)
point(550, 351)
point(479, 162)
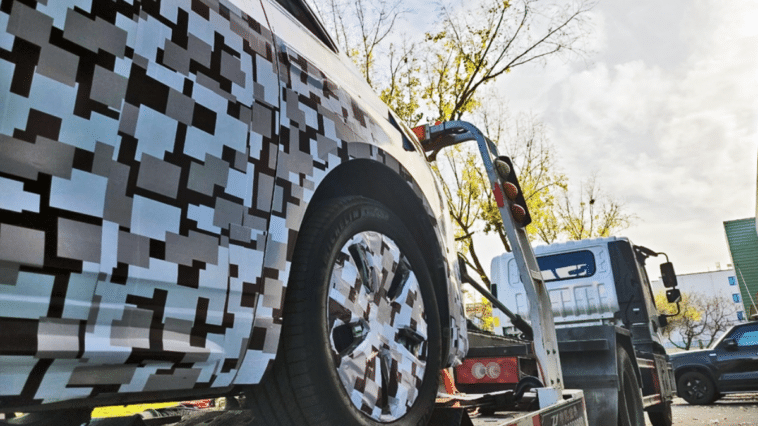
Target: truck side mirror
point(663, 320)
point(668, 275)
point(673, 295)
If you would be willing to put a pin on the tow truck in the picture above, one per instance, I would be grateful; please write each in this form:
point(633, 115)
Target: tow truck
point(538, 395)
point(608, 326)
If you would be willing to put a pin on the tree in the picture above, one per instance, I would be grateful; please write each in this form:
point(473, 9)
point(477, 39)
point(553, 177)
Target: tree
point(470, 200)
point(402, 92)
point(464, 184)
point(593, 215)
point(554, 214)
point(361, 37)
point(701, 319)
point(479, 44)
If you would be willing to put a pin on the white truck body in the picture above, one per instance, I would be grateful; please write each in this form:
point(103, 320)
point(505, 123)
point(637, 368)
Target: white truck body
point(588, 296)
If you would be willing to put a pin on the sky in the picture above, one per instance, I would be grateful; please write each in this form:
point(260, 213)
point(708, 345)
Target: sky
point(665, 113)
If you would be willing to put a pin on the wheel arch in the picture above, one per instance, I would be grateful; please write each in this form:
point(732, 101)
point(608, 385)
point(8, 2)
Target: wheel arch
point(379, 182)
point(625, 341)
point(695, 367)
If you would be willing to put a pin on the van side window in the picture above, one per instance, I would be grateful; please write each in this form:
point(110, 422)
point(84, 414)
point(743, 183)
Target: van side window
point(566, 266)
point(303, 14)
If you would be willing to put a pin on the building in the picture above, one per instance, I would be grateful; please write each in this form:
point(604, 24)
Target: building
point(743, 245)
point(722, 284)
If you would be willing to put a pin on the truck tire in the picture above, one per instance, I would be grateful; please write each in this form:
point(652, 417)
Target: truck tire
point(663, 417)
point(696, 388)
point(630, 407)
point(360, 341)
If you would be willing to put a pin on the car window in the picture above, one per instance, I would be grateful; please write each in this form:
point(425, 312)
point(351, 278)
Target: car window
point(748, 339)
point(745, 336)
point(302, 13)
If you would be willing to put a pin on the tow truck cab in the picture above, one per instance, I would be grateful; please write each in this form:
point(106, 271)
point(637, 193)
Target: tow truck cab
point(602, 305)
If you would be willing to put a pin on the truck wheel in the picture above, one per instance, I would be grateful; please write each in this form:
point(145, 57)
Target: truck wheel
point(360, 340)
point(696, 388)
point(661, 418)
point(630, 407)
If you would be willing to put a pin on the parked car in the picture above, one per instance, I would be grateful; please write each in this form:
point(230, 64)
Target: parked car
point(729, 365)
point(203, 197)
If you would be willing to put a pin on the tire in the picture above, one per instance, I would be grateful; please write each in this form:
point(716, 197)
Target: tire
point(630, 407)
point(696, 388)
point(360, 341)
point(661, 418)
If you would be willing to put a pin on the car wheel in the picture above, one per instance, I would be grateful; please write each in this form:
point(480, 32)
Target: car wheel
point(630, 407)
point(664, 417)
point(360, 340)
point(696, 388)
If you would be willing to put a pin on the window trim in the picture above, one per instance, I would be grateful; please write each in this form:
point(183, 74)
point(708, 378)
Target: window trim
point(593, 265)
point(311, 24)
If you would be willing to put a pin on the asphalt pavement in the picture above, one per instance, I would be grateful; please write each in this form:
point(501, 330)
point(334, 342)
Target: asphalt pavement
point(731, 410)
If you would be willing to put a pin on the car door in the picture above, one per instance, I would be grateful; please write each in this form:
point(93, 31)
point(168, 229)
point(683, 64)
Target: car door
point(191, 188)
point(736, 358)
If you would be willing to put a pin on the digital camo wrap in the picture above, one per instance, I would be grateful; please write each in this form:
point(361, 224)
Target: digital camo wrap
point(137, 160)
point(156, 162)
point(377, 326)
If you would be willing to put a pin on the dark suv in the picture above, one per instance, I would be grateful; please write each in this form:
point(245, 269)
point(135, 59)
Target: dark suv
point(729, 365)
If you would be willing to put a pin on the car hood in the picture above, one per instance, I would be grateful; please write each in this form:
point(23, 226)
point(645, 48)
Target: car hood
point(699, 356)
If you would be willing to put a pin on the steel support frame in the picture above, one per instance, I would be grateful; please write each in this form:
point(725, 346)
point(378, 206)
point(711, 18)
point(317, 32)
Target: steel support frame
point(540, 313)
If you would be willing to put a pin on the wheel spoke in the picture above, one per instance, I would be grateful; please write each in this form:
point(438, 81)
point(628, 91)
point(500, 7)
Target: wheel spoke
point(364, 263)
point(387, 382)
point(347, 337)
point(380, 336)
point(346, 300)
point(399, 278)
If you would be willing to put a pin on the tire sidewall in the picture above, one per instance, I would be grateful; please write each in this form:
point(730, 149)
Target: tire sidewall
point(355, 216)
point(629, 383)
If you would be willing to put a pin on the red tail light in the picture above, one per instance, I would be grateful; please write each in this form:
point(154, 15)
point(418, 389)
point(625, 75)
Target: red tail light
point(510, 191)
point(518, 212)
point(487, 370)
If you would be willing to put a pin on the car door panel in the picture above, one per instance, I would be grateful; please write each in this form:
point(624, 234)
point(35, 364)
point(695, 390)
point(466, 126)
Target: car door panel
point(738, 366)
point(142, 187)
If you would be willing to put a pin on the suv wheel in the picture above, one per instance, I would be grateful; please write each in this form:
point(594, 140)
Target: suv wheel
point(361, 335)
point(696, 388)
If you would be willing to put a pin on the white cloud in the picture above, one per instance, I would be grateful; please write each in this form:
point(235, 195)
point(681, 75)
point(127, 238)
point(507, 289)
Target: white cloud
point(668, 117)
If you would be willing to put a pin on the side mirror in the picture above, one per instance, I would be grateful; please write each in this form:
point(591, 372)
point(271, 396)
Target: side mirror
point(673, 295)
point(663, 320)
point(730, 344)
point(668, 275)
